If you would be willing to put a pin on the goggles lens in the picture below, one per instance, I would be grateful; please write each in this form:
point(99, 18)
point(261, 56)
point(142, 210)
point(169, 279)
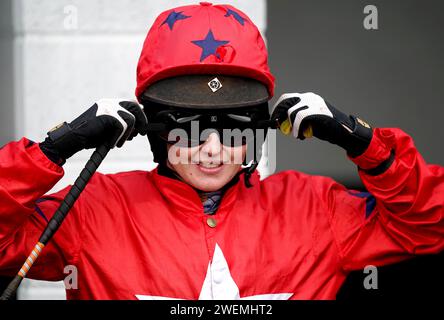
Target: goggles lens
point(187, 139)
point(188, 129)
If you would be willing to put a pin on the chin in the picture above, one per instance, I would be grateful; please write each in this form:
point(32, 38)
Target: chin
point(208, 181)
point(209, 184)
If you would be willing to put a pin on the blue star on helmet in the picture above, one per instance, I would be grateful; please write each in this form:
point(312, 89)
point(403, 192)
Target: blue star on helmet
point(235, 15)
point(173, 17)
point(209, 45)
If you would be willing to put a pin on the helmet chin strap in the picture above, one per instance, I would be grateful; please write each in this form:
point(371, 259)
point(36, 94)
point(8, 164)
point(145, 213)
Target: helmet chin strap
point(248, 170)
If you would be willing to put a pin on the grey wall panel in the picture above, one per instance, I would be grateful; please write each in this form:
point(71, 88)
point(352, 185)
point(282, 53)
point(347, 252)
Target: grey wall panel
point(391, 77)
point(6, 72)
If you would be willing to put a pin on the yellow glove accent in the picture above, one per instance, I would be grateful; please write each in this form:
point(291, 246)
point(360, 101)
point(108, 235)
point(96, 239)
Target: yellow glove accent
point(285, 128)
point(308, 132)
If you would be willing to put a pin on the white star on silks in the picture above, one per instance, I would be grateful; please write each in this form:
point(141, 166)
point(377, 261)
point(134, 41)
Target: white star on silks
point(219, 284)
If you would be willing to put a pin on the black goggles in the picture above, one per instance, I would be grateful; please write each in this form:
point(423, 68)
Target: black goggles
point(190, 129)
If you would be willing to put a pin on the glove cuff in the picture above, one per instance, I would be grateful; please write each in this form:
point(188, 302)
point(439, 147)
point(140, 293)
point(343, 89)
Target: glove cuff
point(60, 143)
point(51, 153)
point(361, 137)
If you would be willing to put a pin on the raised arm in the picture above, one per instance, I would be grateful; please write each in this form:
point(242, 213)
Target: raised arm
point(401, 213)
point(28, 170)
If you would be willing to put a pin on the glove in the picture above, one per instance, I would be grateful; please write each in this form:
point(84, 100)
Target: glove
point(307, 114)
point(108, 121)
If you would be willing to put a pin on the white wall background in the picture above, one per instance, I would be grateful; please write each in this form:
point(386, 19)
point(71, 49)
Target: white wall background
point(69, 53)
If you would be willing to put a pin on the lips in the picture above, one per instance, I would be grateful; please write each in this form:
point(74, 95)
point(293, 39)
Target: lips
point(209, 167)
point(209, 164)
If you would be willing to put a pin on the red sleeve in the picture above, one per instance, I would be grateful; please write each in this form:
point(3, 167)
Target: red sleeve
point(26, 174)
point(401, 215)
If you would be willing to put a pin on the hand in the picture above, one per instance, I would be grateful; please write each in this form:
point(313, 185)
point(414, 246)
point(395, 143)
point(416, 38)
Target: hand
point(108, 121)
point(310, 115)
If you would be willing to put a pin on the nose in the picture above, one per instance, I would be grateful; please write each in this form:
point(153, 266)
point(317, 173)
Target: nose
point(212, 146)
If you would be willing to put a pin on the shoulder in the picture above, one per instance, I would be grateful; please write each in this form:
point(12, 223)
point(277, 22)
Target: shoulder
point(292, 183)
point(134, 182)
point(297, 179)
point(134, 176)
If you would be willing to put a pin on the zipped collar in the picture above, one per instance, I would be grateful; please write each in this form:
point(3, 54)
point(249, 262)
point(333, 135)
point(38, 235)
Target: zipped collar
point(183, 198)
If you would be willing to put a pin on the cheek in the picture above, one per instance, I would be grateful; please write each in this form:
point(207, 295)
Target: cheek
point(235, 155)
point(182, 156)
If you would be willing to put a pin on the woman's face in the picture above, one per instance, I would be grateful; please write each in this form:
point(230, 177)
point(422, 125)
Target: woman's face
point(207, 167)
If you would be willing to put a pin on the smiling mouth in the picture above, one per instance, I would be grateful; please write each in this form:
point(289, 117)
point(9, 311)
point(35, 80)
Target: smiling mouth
point(210, 165)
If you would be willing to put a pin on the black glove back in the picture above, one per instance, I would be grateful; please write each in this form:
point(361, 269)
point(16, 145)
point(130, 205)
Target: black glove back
point(108, 121)
point(305, 110)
